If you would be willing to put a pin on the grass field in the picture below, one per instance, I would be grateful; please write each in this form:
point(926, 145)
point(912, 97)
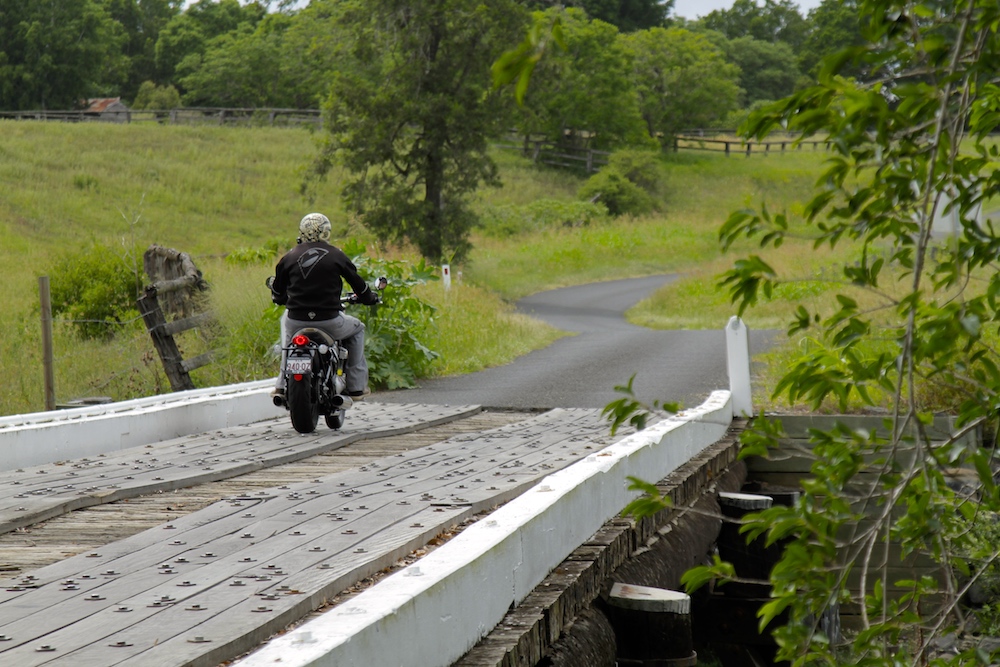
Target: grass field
point(208, 191)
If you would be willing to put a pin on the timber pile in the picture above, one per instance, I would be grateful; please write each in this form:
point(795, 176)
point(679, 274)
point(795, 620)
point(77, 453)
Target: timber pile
point(781, 472)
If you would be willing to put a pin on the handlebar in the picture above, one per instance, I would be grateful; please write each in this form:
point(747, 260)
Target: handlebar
point(350, 297)
point(380, 285)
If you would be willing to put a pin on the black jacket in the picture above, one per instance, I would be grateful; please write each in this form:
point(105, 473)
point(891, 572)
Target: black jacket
point(309, 279)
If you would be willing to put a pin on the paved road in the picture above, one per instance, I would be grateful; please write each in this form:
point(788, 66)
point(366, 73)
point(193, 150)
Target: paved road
point(582, 370)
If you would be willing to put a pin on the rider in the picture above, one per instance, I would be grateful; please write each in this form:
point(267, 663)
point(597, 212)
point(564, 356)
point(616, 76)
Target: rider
point(308, 282)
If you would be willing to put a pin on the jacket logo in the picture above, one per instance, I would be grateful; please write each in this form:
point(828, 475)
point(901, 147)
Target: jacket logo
point(310, 259)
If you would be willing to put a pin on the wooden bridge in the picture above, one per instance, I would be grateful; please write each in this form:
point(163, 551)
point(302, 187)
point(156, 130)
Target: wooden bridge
point(209, 586)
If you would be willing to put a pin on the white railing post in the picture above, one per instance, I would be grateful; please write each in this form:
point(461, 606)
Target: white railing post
point(738, 364)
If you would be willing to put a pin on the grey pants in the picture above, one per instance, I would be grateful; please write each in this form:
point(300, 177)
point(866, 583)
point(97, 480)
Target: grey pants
point(348, 330)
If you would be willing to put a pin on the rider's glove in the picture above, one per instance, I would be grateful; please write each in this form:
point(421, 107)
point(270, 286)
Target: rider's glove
point(368, 297)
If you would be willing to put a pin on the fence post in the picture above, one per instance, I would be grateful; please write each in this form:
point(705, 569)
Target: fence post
point(46, 307)
point(738, 364)
point(170, 355)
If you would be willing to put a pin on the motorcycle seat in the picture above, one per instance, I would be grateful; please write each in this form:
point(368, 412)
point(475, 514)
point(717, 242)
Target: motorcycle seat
point(316, 334)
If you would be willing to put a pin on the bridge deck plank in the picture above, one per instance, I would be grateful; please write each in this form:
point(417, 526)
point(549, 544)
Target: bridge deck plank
point(38, 493)
point(293, 548)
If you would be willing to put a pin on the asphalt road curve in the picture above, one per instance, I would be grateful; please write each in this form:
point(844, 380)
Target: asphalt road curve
point(582, 370)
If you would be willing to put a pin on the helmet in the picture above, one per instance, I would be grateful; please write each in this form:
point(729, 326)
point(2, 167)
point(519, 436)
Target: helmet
point(314, 227)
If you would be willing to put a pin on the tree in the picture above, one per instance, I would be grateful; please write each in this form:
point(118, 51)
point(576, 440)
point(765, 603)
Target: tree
point(626, 15)
point(583, 93)
point(410, 113)
point(241, 68)
point(313, 49)
point(833, 27)
point(187, 35)
point(771, 22)
point(682, 80)
point(285, 60)
point(157, 98)
point(905, 150)
point(768, 70)
point(629, 15)
point(141, 21)
point(56, 53)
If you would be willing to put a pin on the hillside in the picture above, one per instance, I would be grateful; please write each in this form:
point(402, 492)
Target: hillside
point(211, 190)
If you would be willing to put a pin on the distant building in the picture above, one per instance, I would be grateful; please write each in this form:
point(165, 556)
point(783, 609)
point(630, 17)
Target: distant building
point(110, 109)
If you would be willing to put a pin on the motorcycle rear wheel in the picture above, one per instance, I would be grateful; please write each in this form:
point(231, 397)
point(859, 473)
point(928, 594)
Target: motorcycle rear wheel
point(301, 406)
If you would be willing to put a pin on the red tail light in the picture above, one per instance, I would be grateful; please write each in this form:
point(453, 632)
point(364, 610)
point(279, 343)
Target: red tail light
point(300, 340)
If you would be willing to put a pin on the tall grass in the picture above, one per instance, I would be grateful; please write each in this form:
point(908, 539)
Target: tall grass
point(476, 329)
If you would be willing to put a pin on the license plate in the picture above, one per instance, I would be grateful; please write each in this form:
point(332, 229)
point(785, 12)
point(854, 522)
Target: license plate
point(298, 365)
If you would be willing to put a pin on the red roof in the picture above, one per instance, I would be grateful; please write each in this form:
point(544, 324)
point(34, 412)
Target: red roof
point(101, 103)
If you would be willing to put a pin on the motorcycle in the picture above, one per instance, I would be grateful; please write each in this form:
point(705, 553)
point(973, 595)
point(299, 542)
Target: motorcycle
point(313, 375)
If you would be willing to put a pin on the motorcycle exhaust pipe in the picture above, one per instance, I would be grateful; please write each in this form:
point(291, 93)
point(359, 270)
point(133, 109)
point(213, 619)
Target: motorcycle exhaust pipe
point(279, 401)
point(343, 402)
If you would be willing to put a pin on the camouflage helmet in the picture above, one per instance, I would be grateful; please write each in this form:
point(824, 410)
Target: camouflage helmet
point(314, 227)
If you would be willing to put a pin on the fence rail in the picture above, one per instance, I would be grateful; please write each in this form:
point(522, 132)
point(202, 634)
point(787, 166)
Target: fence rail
point(590, 160)
point(539, 150)
point(732, 144)
point(550, 153)
point(184, 116)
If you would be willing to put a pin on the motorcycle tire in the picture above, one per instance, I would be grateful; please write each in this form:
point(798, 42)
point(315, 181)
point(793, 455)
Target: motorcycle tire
point(336, 419)
point(303, 409)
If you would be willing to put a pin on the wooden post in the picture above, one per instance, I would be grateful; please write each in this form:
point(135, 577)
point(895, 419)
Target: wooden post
point(727, 149)
point(652, 626)
point(170, 355)
point(738, 365)
point(752, 560)
point(46, 306)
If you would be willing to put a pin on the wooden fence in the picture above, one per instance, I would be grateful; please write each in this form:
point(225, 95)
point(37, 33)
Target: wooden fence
point(185, 116)
point(543, 151)
point(176, 281)
point(547, 152)
point(590, 160)
point(730, 145)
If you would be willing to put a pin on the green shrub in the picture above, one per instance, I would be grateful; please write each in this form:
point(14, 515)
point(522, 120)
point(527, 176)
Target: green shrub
point(395, 328)
point(639, 167)
point(620, 195)
point(507, 221)
point(96, 290)
point(628, 185)
point(269, 252)
point(156, 98)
